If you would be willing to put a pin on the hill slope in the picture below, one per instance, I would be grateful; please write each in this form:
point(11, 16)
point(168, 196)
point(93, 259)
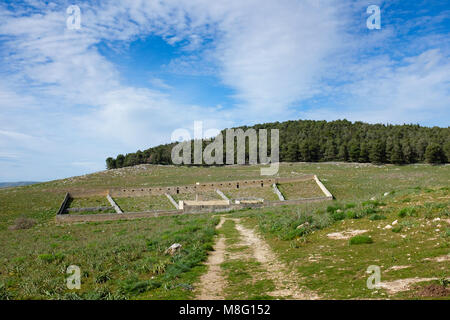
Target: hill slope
point(126, 259)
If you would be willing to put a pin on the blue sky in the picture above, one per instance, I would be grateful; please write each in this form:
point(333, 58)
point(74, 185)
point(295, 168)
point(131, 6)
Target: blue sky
point(137, 70)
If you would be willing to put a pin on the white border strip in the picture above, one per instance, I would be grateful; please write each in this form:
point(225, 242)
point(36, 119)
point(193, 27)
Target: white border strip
point(323, 188)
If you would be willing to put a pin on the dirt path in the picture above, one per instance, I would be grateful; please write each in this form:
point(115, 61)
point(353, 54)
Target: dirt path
point(213, 283)
point(285, 281)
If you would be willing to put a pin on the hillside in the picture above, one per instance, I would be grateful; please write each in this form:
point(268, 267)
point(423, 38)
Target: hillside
point(341, 140)
point(308, 245)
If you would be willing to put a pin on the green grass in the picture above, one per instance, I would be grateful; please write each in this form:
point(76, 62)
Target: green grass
point(360, 239)
point(340, 272)
point(122, 259)
point(265, 193)
point(144, 203)
point(298, 190)
point(126, 260)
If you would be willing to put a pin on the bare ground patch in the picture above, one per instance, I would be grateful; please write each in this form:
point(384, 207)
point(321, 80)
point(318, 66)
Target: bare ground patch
point(212, 282)
point(400, 285)
point(344, 235)
point(285, 281)
point(439, 259)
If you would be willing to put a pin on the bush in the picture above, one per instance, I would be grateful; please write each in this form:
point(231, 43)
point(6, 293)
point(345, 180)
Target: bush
point(373, 203)
point(377, 217)
point(410, 212)
point(23, 223)
point(336, 216)
point(355, 214)
point(351, 214)
point(368, 211)
point(333, 208)
point(397, 229)
point(361, 239)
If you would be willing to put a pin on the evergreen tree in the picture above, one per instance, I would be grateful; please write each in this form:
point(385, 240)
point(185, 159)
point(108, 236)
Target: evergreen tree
point(364, 153)
point(397, 154)
point(354, 151)
point(377, 154)
point(120, 161)
point(110, 163)
point(434, 154)
point(340, 140)
point(343, 154)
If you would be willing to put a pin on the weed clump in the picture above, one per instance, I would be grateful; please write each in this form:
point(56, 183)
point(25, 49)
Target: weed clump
point(360, 239)
point(51, 257)
point(336, 216)
point(408, 211)
point(133, 286)
point(375, 216)
point(23, 223)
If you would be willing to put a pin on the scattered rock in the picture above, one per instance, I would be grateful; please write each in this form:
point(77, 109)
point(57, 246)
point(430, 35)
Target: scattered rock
point(173, 249)
point(439, 259)
point(386, 194)
point(303, 225)
point(372, 199)
point(402, 284)
point(437, 219)
point(393, 268)
point(345, 234)
point(388, 227)
point(395, 222)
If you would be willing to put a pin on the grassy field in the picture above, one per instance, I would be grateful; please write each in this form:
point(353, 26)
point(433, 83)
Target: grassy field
point(119, 260)
point(144, 203)
point(417, 245)
point(298, 190)
point(126, 259)
point(265, 193)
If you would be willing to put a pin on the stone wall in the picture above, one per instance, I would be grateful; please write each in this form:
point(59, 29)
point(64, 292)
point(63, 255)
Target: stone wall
point(204, 186)
point(70, 218)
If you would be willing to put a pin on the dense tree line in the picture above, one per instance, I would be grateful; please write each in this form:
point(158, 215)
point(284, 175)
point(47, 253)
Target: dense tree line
point(341, 140)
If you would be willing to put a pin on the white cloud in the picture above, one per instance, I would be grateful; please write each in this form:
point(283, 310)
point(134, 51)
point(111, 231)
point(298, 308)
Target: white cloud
point(277, 56)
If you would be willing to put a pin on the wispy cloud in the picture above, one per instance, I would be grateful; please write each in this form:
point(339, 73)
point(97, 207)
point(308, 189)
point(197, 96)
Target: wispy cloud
point(60, 98)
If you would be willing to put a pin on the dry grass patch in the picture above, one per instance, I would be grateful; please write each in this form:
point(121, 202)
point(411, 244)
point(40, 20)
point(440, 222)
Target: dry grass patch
point(299, 190)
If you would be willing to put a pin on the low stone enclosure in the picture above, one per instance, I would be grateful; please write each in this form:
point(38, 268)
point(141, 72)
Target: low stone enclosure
point(209, 197)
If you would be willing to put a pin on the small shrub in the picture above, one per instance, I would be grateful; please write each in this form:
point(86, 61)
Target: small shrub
point(50, 257)
point(367, 211)
point(355, 214)
point(336, 216)
point(408, 211)
point(374, 217)
point(351, 214)
point(334, 208)
point(350, 205)
point(23, 223)
point(361, 239)
point(397, 229)
point(373, 203)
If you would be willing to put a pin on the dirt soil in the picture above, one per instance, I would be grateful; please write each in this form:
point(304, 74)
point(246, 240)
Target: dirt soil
point(213, 282)
point(434, 290)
